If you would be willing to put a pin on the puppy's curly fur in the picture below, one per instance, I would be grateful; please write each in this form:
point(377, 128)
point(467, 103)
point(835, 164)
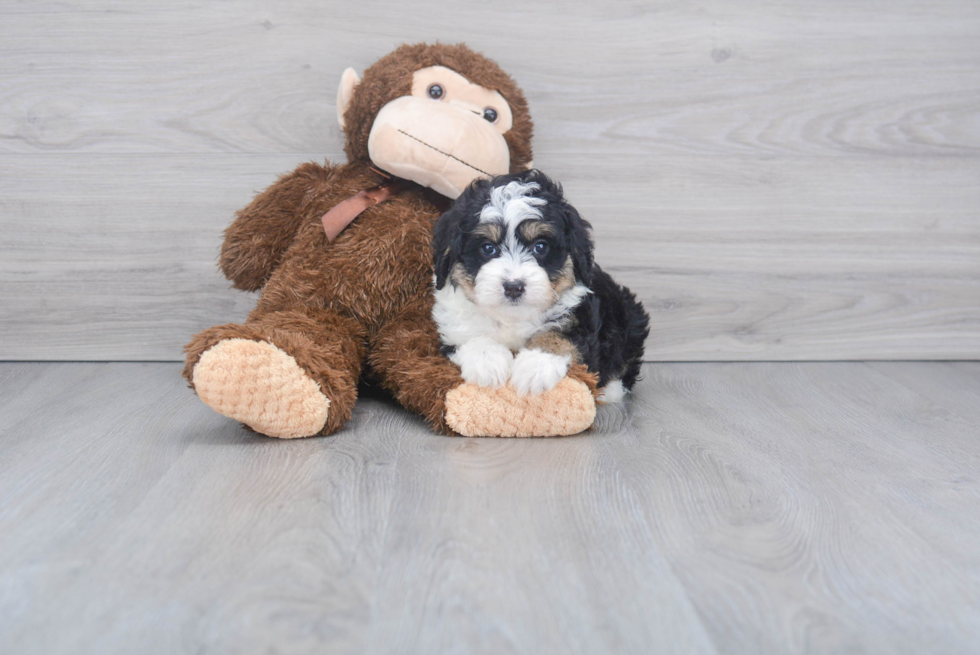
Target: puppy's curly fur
point(514, 273)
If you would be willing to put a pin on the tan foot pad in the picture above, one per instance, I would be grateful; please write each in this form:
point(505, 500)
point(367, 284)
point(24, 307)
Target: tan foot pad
point(256, 383)
point(475, 411)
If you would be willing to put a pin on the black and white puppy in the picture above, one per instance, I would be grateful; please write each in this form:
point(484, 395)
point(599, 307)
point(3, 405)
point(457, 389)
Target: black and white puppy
point(518, 297)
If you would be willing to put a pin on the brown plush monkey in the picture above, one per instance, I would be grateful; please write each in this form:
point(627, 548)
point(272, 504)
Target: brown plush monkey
point(344, 300)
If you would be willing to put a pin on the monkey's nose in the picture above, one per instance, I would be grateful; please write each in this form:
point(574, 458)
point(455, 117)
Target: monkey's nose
point(514, 289)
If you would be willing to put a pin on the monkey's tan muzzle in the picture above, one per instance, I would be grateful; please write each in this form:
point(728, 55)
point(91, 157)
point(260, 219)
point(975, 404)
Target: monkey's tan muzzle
point(438, 145)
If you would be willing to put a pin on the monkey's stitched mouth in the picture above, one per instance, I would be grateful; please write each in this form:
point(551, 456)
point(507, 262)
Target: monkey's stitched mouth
point(444, 153)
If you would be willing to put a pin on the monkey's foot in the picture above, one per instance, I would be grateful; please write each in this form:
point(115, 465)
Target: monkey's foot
point(263, 387)
point(568, 408)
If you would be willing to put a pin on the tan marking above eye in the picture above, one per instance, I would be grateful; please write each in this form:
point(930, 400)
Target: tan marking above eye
point(531, 230)
point(492, 231)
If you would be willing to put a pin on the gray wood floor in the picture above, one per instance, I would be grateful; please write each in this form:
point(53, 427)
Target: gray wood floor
point(725, 508)
point(776, 179)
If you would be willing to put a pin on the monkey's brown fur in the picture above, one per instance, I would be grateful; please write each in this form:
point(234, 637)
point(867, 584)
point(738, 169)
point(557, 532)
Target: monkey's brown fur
point(362, 303)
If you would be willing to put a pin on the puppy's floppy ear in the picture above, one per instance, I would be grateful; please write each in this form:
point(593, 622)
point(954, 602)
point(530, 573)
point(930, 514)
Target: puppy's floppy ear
point(446, 242)
point(579, 234)
point(447, 235)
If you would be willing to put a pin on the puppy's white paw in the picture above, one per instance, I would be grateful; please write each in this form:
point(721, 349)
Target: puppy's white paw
point(484, 362)
point(536, 371)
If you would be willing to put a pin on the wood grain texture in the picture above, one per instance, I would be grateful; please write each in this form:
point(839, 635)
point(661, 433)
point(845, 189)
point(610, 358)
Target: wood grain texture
point(779, 180)
point(765, 78)
point(126, 268)
point(828, 481)
point(724, 508)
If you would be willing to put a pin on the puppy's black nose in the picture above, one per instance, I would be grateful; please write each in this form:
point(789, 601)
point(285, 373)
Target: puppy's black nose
point(514, 289)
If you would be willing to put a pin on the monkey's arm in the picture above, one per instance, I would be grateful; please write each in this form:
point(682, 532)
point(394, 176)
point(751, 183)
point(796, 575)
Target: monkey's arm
point(261, 233)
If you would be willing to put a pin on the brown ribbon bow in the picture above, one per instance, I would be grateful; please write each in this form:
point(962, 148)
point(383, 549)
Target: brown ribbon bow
point(335, 220)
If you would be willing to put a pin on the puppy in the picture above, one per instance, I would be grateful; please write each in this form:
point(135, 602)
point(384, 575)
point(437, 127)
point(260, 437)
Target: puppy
point(518, 297)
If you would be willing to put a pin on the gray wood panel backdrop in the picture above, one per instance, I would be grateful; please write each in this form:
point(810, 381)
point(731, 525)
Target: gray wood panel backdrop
point(776, 179)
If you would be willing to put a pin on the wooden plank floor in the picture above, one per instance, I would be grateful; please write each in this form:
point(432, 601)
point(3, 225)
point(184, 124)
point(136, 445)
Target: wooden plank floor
point(725, 508)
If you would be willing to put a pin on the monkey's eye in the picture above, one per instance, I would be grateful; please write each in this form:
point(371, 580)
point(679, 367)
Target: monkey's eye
point(489, 249)
point(435, 91)
point(540, 248)
point(490, 114)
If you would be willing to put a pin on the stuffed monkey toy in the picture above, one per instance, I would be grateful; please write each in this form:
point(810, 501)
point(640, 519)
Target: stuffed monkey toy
point(342, 257)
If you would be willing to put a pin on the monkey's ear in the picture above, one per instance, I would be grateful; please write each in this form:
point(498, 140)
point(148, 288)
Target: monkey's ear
point(348, 81)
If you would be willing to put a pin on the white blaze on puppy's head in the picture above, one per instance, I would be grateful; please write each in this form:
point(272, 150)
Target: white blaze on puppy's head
point(512, 203)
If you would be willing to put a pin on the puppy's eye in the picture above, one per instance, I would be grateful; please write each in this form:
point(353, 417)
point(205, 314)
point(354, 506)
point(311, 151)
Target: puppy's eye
point(489, 249)
point(540, 248)
point(435, 91)
point(490, 114)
